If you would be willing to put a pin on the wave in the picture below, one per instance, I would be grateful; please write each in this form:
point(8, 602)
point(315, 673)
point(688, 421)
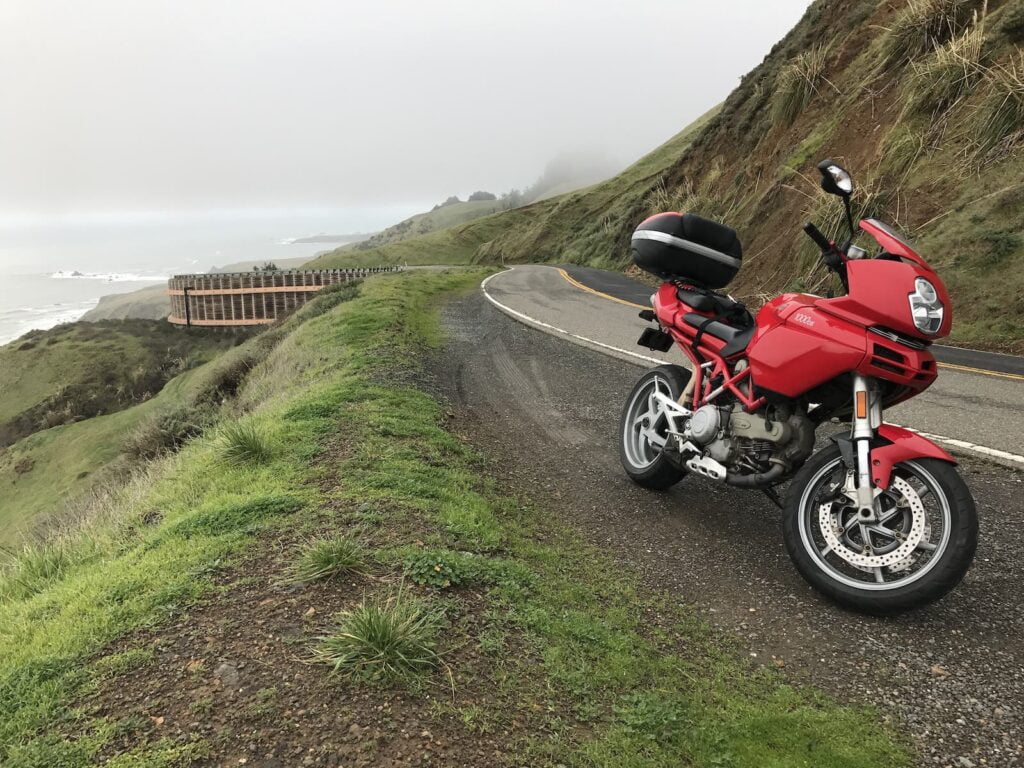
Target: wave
point(14, 323)
point(110, 277)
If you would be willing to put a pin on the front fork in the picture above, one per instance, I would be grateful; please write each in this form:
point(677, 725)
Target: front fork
point(867, 417)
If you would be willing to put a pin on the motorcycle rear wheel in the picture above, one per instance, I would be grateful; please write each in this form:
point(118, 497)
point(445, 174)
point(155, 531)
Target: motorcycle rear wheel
point(643, 429)
point(925, 536)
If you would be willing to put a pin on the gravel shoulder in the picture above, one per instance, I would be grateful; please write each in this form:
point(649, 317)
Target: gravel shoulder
point(951, 674)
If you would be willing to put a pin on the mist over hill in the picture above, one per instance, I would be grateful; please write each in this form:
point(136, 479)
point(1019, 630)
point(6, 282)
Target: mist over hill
point(923, 102)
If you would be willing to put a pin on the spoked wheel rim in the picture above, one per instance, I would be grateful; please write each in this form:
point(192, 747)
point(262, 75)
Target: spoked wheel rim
point(907, 538)
point(645, 429)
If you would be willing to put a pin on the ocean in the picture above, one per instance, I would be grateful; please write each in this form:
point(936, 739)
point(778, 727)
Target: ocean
point(55, 271)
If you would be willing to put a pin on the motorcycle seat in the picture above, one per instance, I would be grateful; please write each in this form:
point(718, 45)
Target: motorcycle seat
point(736, 339)
point(715, 303)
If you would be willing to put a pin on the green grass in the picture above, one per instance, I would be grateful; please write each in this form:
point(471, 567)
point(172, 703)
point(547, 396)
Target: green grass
point(387, 639)
point(593, 675)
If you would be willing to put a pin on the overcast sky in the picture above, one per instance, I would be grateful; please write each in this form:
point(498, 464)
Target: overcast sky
point(154, 105)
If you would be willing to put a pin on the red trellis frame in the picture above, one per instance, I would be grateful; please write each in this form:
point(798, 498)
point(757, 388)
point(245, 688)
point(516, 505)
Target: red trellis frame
point(700, 355)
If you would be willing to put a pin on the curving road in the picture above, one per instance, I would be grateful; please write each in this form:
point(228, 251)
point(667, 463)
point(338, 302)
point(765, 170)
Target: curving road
point(970, 412)
point(546, 408)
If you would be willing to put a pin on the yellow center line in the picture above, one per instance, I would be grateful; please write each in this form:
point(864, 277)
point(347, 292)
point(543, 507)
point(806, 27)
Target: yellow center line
point(967, 369)
point(572, 281)
point(982, 371)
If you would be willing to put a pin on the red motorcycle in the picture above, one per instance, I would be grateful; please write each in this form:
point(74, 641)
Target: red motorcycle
point(879, 520)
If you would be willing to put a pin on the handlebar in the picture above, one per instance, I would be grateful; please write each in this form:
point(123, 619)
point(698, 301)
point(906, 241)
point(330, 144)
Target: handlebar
point(815, 234)
point(830, 254)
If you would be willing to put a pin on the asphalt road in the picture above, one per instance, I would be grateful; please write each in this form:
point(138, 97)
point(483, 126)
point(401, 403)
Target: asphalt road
point(971, 412)
point(546, 411)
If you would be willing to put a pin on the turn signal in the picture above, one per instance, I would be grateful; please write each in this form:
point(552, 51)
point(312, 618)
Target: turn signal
point(862, 405)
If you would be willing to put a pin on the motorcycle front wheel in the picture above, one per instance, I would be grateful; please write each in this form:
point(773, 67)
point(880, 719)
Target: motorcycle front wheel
point(918, 547)
point(643, 429)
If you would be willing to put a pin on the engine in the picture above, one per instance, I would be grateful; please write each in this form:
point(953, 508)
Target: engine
point(749, 449)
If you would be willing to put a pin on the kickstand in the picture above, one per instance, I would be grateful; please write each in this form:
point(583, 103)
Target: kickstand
point(772, 494)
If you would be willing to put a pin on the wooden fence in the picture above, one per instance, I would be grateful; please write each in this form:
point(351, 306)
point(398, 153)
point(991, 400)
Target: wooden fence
point(251, 298)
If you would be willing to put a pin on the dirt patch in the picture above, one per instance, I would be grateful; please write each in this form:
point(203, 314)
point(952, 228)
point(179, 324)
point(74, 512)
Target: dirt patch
point(237, 673)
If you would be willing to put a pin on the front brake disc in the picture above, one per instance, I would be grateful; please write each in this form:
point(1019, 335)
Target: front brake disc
point(833, 533)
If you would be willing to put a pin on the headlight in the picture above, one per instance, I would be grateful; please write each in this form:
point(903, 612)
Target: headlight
point(926, 307)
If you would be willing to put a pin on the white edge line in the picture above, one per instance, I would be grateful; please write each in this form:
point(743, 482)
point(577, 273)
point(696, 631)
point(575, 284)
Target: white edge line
point(547, 326)
point(963, 445)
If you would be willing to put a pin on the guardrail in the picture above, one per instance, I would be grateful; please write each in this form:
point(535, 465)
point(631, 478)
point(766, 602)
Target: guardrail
point(252, 298)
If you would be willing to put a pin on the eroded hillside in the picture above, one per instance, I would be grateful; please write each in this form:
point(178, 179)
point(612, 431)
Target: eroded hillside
point(923, 101)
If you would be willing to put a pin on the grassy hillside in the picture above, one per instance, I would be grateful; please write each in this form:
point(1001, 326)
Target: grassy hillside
point(445, 216)
point(150, 303)
point(79, 370)
point(48, 476)
point(923, 101)
point(321, 501)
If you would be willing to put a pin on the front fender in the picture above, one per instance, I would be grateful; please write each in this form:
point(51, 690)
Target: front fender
point(904, 445)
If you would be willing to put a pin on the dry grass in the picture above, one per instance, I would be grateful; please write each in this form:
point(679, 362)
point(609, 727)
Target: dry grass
point(798, 84)
point(827, 213)
point(692, 198)
point(943, 78)
point(998, 125)
point(924, 25)
point(900, 151)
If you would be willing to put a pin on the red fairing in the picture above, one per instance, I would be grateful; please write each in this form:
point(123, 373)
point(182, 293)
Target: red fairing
point(880, 295)
point(905, 446)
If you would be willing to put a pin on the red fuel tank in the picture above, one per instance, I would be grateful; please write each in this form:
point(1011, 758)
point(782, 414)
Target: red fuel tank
point(797, 346)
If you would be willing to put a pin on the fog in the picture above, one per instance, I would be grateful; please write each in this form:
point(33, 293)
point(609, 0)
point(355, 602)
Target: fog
point(113, 106)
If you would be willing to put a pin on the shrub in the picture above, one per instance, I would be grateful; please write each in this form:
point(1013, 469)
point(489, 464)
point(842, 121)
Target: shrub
point(169, 430)
point(1001, 245)
point(941, 79)
point(244, 442)
point(924, 25)
point(798, 84)
point(325, 558)
point(385, 638)
point(999, 125)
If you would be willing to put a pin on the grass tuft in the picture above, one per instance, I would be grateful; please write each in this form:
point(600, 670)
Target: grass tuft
point(999, 125)
point(244, 442)
point(326, 558)
point(798, 84)
point(34, 566)
point(900, 151)
point(941, 79)
point(924, 25)
point(383, 639)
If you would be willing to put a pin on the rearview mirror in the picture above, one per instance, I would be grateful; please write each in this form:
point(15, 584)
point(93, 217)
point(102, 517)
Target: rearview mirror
point(835, 179)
